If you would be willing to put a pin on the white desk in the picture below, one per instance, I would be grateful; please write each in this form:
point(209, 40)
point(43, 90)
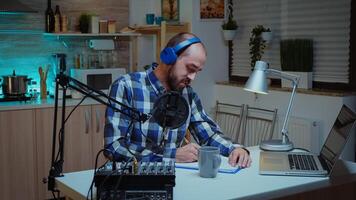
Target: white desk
point(247, 183)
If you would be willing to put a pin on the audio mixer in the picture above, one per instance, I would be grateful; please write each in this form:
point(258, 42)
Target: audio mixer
point(130, 180)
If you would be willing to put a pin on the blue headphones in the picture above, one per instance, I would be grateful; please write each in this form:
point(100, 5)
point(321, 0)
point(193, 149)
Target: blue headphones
point(169, 54)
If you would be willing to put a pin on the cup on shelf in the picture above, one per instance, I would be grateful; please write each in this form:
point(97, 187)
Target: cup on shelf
point(150, 18)
point(158, 20)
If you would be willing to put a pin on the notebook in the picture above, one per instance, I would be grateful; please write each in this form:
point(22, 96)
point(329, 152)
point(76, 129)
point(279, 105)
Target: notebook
point(224, 168)
point(308, 164)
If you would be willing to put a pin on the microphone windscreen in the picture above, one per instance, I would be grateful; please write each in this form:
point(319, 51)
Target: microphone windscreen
point(171, 110)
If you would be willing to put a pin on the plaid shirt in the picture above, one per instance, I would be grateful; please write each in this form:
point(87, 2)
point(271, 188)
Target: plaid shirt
point(139, 90)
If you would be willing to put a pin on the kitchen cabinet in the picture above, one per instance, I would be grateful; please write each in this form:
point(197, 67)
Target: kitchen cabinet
point(44, 124)
point(84, 133)
point(163, 33)
point(17, 155)
point(98, 122)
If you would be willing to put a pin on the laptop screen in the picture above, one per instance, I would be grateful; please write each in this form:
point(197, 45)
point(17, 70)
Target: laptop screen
point(338, 136)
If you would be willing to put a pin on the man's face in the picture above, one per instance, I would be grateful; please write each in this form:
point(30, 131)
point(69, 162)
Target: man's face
point(188, 64)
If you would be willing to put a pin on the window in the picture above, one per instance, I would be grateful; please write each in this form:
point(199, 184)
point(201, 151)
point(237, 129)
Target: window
point(327, 22)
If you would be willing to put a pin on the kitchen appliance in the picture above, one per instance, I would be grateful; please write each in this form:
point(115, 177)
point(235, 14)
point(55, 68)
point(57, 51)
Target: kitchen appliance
point(99, 79)
point(14, 86)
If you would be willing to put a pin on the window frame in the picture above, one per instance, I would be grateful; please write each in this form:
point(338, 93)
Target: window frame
point(351, 86)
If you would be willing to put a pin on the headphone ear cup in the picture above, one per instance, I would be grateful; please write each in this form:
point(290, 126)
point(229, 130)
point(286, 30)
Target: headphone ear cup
point(168, 56)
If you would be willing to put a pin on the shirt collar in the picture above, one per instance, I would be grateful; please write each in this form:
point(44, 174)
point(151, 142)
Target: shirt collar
point(155, 83)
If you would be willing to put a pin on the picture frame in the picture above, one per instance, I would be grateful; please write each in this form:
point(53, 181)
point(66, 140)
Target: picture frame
point(212, 10)
point(170, 10)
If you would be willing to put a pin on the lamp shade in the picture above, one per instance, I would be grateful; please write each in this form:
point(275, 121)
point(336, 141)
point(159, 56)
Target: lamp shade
point(258, 79)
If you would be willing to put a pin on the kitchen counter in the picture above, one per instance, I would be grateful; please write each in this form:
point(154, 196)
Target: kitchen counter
point(42, 103)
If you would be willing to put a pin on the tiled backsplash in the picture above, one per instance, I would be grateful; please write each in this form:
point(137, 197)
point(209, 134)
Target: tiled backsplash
point(23, 48)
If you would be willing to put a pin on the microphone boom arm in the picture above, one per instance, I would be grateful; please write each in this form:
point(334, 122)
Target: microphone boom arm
point(68, 82)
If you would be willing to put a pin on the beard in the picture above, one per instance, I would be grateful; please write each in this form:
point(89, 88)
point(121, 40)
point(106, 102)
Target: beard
point(174, 82)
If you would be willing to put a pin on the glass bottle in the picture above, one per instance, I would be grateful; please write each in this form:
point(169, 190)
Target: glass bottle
point(115, 59)
point(57, 20)
point(49, 24)
point(85, 59)
point(108, 59)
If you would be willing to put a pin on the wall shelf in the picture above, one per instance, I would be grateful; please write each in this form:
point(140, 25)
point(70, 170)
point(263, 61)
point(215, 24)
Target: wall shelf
point(163, 33)
point(61, 37)
point(90, 35)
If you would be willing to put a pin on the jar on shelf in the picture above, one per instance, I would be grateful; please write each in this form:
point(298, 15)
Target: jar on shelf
point(93, 61)
point(94, 24)
point(77, 61)
point(115, 59)
point(103, 26)
point(109, 59)
point(102, 59)
point(112, 26)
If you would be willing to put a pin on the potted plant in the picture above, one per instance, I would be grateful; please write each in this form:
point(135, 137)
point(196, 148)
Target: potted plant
point(229, 27)
point(267, 36)
point(84, 20)
point(257, 44)
point(297, 58)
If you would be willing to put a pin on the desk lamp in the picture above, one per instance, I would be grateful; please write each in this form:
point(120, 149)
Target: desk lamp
point(258, 83)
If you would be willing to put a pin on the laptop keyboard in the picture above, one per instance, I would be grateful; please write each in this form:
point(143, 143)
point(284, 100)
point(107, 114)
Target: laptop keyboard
point(302, 162)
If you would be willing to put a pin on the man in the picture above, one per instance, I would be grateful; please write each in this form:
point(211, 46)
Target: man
point(181, 60)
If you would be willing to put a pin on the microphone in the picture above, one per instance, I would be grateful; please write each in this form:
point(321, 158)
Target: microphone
point(171, 110)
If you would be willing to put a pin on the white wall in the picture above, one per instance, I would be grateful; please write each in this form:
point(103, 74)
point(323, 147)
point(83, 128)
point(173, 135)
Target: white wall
point(216, 67)
point(314, 107)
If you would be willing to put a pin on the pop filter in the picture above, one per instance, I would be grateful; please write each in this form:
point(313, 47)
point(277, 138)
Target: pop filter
point(170, 110)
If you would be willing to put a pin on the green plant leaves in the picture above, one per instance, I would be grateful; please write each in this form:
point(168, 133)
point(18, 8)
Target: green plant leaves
point(257, 45)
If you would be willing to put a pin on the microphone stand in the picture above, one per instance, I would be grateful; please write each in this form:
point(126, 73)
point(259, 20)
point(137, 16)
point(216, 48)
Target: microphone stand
point(68, 82)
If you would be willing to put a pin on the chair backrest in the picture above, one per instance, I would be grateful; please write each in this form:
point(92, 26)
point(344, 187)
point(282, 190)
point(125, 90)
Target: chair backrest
point(258, 125)
point(229, 117)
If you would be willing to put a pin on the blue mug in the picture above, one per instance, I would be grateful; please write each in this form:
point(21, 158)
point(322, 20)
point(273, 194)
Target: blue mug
point(209, 161)
point(158, 20)
point(150, 18)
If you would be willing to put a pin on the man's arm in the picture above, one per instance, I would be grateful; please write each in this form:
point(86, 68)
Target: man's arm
point(119, 127)
point(206, 130)
point(209, 133)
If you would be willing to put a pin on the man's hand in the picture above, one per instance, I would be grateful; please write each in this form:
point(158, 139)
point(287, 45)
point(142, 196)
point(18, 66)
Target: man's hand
point(187, 153)
point(240, 157)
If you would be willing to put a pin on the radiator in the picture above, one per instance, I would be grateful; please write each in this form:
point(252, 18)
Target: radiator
point(303, 132)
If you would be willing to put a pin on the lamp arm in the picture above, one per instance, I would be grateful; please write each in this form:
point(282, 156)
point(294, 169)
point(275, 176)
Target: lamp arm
point(295, 80)
point(286, 118)
point(292, 77)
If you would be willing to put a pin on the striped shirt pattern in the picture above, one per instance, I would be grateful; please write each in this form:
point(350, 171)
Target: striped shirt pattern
point(148, 141)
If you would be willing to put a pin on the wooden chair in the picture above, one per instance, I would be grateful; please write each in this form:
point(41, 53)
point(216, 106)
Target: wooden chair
point(229, 118)
point(258, 125)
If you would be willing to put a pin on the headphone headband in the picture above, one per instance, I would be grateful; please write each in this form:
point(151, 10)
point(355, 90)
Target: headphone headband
point(169, 55)
point(186, 43)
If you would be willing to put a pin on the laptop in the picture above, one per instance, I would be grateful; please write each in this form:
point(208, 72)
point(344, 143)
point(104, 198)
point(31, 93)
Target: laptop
point(308, 164)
